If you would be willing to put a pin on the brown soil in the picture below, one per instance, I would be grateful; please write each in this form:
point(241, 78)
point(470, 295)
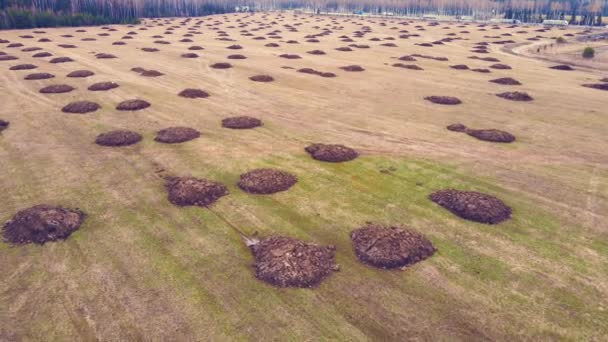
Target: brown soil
point(444, 100)
point(103, 86)
point(221, 65)
point(316, 52)
point(493, 135)
point(236, 57)
point(23, 67)
point(42, 223)
point(175, 135)
point(500, 67)
point(3, 125)
point(261, 78)
point(407, 66)
point(80, 107)
point(193, 93)
point(241, 122)
point(189, 55)
point(352, 68)
point(457, 127)
point(473, 206)
point(515, 96)
point(118, 138)
point(288, 56)
point(599, 86)
point(186, 191)
point(459, 67)
point(42, 54)
point(286, 262)
point(57, 89)
point(81, 73)
point(563, 67)
point(57, 60)
point(331, 153)
point(39, 76)
point(390, 247)
point(266, 181)
point(506, 81)
point(133, 105)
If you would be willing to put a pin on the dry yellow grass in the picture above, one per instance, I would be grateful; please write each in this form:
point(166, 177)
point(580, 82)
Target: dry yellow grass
point(141, 268)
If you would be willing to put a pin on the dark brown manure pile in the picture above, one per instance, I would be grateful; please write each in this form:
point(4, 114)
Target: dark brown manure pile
point(241, 122)
point(457, 127)
point(492, 135)
point(290, 56)
point(287, 262)
point(515, 96)
point(192, 93)
point(175, 135)
point(42, 223)
point(4, 125)
point(103, 86)
point(444, 100)
point(598, 86)
point(221, 65)
point(499, 66)
point(506, 81)
point(23, 67)
point(39, 76)
point(236, 57)
point(331, 152)
point(80, 73)
point(562, 67)
point(262, 78)
point(390, 247)
point(266, 181)
point(189, 55)
point(316, 52)
point(58, 60)
point(188, 191)
point(473, 206)
point(57, 89)
point(315, 72)
point(118, 138)
point(352, 68)
point(459, 67)
point(80, 107)
point(407, 66)
point(133, 105)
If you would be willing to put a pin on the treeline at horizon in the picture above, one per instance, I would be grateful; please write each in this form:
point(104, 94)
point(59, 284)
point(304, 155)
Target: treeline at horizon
point(52, 13)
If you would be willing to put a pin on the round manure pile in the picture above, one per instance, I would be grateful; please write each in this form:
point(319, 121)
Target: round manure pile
point(80, 107)
point(42, 223)
point(492, 135)
point(132, 105)
point(42, 54)
point(331, 152)
point(118, 138)
point(459, 67)
point(472, 205)
point(289, 56)
point(58, 60)
point(352, 68)
point(506, 81)
point(500, 66)
point(221, 65)
point(241, 122)
point(562, 67)
point(234, 47)
point(287, 262)
point(457, 127)
point(23, 67)
point(80, 73)
point(103, 86)
point(57, 89)
point(190, 191)
point(175, 135)
point(39, 76)
point(444, 100)
point(236, 57)
point(4, 125)
point(390, 247)
point(515, 96)
point(261, 78)
point(193, 93)
point(316, 52)
point(8, 58)
point(266, 181)
point(189, 55)
point(598, 86)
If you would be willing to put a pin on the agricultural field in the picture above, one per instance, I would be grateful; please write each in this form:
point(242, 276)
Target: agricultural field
point(146, 260)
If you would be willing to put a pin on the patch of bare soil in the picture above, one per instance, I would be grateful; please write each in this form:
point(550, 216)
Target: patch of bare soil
point(390, 247)
point(80, 107)
point(193, 93)
point(241, 122)
point(175, 135)
point(133, 105)
point(506, 81)
point(266, 181)
point(262, 78)
point(57, 89)
point(331, 152)
point(444, 100)
point(515, 96)
point(118, 138)
point(187, 191)
point(42, 223)
point(103, 86)
point(80, 73)
point(287, 262)
point(472, 205)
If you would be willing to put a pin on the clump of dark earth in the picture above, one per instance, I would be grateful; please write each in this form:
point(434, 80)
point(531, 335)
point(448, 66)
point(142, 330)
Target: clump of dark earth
point(261, 78)
point(316, 52)
point(515, 96)
point(288, 56)
point(315, 72)
point(237, 57)
point(599, 86)
point(390, 247)
point(174, 135)
point(266, 181)
point(221, 65)
point(193, 93)
point(460, 67)
point(444, 100)
point(23, 67)
point(331, 152)
point(42, 223)
point(563, 67)
point(493, 135)
point(103, 86)
point(407, 66)
point(8, 58)
point(42, 54)
point(3, 125)
point(287, 262)
point(133, 105)
point(241, 122)
point(500, 67)
point(457, 127)
point(187, 191)
point(506, 81)
point(118, 138)
point(57, 89)
point(352, 68)
point(472, 205)
point(39, 76)
point(80, 107)
point(61, 60)
point(105, 56)
point(81, 73)
point(189, 55)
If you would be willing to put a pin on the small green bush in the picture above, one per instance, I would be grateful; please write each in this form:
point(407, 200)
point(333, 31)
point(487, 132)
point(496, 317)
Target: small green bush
point(589, 52)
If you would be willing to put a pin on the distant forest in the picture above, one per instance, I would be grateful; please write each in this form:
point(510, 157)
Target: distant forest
point(50, 13)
